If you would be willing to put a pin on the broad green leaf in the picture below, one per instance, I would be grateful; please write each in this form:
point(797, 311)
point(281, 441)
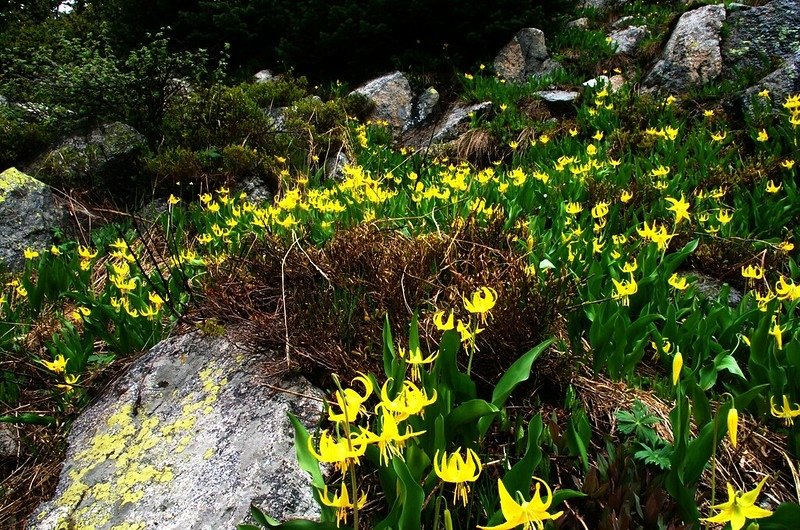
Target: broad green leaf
point(518, 478)
point(306, 460)
point(518, 372)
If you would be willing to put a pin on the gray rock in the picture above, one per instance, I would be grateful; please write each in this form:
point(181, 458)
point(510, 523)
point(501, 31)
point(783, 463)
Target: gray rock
point(599, 80)
point(278, 116)
point(334, 166)
point(423, 107)
point(263, 76)
point(256, 189)
point(580, 23)
point(3, 101)
point(29, 215)
point(692, 56)
point(457, 120)
point(623, 23)
point(9, 442)
point(617, 81)
point(558, 100)
point(759, 35)
point(107, 150)
point(524, 56)
point(781, 84)
point(187, 438)
point(392, 96)
point(711, 287)
point(627, 40)
point(602, 5)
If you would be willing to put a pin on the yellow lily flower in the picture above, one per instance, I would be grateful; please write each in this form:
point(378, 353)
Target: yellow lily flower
point(351, 403)
point(342, 502)
point(677, 365)
point(458, 470)
point(409, 401)
point(624, 289)
point(342, 453)
point(86, 253)
point(678, 282)
point(733, 425)
point(390, 442)
point(482, 301)
point(415, 359)
point(29, 253)
point(680, 208)
point(529, 514)
point(787, 413)
point(58, 365)
point(739, 507)
point(440, 323)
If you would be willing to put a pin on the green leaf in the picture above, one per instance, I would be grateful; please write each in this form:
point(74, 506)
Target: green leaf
point(411, 497)
point(785, 517)
point(565, 494)
point(466, 413)
point(518, 478)
point(518, 372)
point(306, 460)
point(29, 419)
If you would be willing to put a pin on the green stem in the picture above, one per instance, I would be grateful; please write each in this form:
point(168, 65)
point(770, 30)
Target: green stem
point(349, 448)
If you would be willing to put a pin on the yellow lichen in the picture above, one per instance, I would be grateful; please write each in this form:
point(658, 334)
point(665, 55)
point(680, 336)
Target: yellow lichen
point(126, 441)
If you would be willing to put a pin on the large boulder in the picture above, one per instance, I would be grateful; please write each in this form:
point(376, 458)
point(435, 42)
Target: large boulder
point(627, 40)
point(29, 216)
point(525, 56)
point(393, 99)
point(187, 438)
point(456, 121)
point(106, 151)
point(692, 56)
point(782, 83)
point(759, 36)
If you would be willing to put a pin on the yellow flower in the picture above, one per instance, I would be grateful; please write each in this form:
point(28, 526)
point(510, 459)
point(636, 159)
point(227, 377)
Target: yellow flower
point(459, 470)
point(677, 364)
point(29, 253)
point(544, 139)
point(342, 502)
point(503, 107)
point(350, 402)
point(733, 425)
point(598, 135)
point(787, 412)
point(173, 200)
point(600, 210)
point(670, 100)
point(630, 266)
point(390, 442)
point(660, 171)
point(752, 272)
point(626, 196)
point(342, 453)
point(441, 325)
point(468, 77)
point(764, 93)
point(86, 253)
point(680, 208)
point(591, 150)
point(762, 136)
point(467, 335)
point(777, 332)
point(708, 113)
point(678, 282)
point(739, 507)
point(482, 301)
point(772, 188)
point(58, 365)
point(718, 137)
point(415, 359)
point(513, 145)
point(69, 381)
point(624, 289)
point(574, 208)
point(724, 216)
point(573, 132)
point(529, 514)
point(410, 401)
point(788, 164)
point(55, 251)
